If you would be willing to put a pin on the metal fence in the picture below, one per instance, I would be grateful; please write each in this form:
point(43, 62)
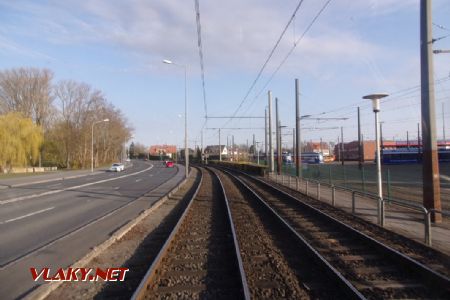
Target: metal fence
point(326, 191)
point(399, 181)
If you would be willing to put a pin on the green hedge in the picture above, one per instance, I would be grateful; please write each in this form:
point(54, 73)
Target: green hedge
point(243, 166)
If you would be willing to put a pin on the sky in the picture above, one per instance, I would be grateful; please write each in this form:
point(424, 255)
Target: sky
point(353, 48)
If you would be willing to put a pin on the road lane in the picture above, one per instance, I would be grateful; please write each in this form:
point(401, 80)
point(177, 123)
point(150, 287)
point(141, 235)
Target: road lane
point(27, 215)
point(16, 279)
point(73, 209)
point(57, 184)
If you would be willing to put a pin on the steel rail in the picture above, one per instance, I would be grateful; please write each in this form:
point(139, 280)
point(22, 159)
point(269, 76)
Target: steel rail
point(151, 273)
point(431, 276)
point(235, 241)
point(333, 273)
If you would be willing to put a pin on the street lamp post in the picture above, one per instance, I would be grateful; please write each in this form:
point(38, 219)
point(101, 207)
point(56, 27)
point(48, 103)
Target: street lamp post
point(92, 142)
point(186, 150)
point(376, 109)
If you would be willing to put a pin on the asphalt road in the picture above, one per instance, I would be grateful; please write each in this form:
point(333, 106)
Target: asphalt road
point(55, 223)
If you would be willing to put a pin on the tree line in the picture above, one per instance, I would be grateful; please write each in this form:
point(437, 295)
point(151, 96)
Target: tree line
point(50, 124)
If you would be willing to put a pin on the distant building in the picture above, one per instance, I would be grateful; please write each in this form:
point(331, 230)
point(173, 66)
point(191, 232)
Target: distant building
point(317, 147)
point(215, 150)
point(351, 151)
point(163, 150)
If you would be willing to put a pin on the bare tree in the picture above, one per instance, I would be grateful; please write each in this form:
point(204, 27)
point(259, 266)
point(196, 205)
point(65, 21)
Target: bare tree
point(79, 106)
point(28, 91)
point(67, 122)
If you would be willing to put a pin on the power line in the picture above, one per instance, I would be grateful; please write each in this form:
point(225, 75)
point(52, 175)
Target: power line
point(293, 48)
point(200, 53)
point(401, 94)
point(269, 57)
point(441, 27)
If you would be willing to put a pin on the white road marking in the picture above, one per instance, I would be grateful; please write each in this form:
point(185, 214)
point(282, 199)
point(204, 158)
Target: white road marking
point(54, 179)
point(70, 188)
point(54, 185)
point(27, 215)
point(140, 179)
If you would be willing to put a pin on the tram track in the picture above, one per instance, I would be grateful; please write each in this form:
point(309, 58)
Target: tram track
point(200, 258)
point(374, 270)
point(276, 264)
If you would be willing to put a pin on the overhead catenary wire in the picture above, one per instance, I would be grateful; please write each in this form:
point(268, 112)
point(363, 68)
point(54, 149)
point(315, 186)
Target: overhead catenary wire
point(441, 27)
point(292, 49)
point(200, 53)
point(268, 58)
point(404, 95)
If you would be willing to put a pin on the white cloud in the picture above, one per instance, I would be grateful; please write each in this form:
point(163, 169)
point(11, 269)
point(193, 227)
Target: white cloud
point(237, 35)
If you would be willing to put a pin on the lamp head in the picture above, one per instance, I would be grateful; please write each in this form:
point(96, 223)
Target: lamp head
point(166, 61)
point(375, 100)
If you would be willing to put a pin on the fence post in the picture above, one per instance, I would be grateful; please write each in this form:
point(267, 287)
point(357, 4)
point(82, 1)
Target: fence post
point(427, 228)
point(289, 183)
point(277, 177)
point(318, 190)
point(353, 202)
point(363, 175)
point(306, 187)
point(380, 212)
point(329, 175)
point(333, 192)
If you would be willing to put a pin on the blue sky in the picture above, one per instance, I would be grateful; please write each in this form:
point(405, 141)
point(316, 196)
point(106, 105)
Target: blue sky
point(353, 49)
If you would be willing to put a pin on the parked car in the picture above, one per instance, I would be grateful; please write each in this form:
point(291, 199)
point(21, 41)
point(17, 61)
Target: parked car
point(169, 164)
point(117, 167)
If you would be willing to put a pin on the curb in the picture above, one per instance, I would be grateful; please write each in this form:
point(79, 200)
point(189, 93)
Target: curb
point(42, 291)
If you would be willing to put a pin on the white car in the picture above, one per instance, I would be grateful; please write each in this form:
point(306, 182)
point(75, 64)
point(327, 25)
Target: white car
point(117, 167)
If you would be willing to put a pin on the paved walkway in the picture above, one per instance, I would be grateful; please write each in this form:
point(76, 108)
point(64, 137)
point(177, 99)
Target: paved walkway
point(407, 222)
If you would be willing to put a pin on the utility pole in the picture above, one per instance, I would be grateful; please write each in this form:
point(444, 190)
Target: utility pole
point(248, 152)
point(430, 165)
point(359, 142)
point(320, 146)
point(232, 146)
point(254, 147)
point(202, 153)
point(278, 134)
point(362, 150)
point(298, 150)
point(342, 144)
point(418, 137)
point(293, 143)
point(265, 135)
point(407, 139)
point(271, 160)
point(220, 148)
point(443, 126)
point(339, 149)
